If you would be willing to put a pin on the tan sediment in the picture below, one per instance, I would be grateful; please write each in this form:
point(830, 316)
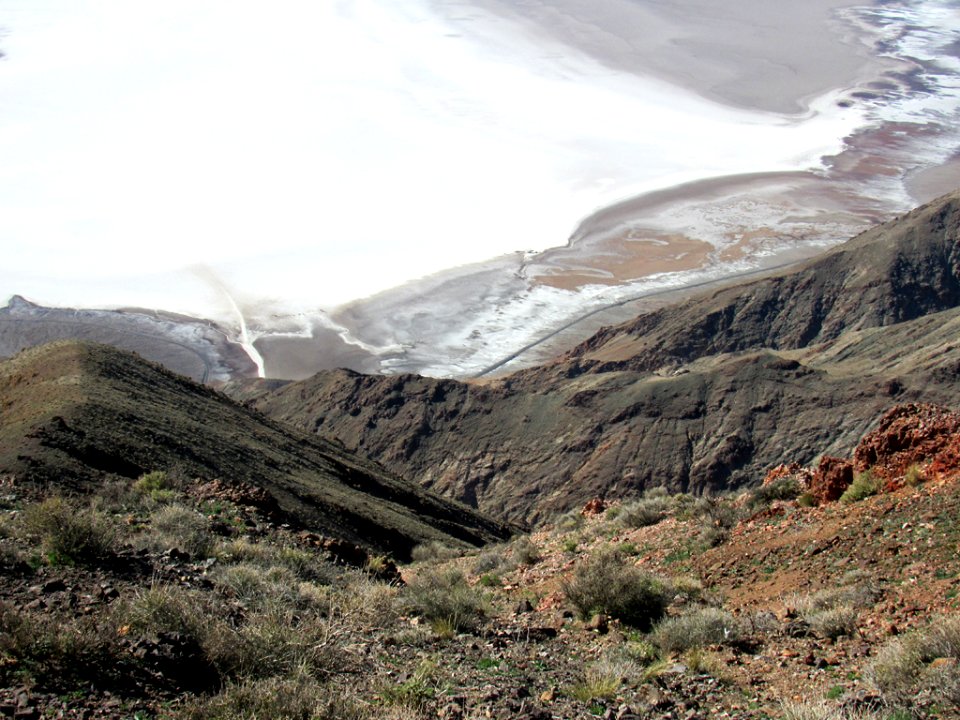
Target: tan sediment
point(625, 259)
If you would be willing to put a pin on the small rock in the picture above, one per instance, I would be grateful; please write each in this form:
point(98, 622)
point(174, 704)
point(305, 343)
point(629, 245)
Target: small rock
point(599, 623)
point(52, 586)
point(523, 607)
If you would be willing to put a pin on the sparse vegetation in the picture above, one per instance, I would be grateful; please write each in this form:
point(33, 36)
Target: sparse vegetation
point(696, 629)
point(606, 583)
point(915, 475)
point(444, 596)
point(69, 535)
point(179, 527)
point(525, 552)
point(785, 488)
point(647, 511)
point(863, 486)
point(923, 665)
point(434, 550)
point(601, 680)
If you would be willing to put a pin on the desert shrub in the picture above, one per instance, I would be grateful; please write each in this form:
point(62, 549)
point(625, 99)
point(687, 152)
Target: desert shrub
point(260, 587)
point(569, 521)
point(296, 697)
point(914, 475)
point(365, 601)
point(157, 486)
point(488, 561)
point(718, 517)
point(445, 596)
point(306, 565)
point(806, 500)
point(56, 653)
point(820, 710)
point(641, 652)
point(276, 642)
point(696, 629)
point(785, 488)
point(864, 485)
point(416, 691)
point(833, 612)
point(68, 535)
point(605, 583)
point(702, 662)
point(165, 608)
point(834, 622)
point(645, 512)
point(687, 587)
point(434, 550)
point(922, 665)
point(177, 526)
point(526, 552)
point(601, 680)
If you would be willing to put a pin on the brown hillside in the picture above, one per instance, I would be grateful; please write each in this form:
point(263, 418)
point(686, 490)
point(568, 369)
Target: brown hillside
point(74, 414)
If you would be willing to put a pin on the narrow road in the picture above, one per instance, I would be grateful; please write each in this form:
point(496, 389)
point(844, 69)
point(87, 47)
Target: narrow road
point(620, 303)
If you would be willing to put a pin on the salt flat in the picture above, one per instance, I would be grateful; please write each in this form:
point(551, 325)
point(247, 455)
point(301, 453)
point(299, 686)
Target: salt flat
point(422, 185)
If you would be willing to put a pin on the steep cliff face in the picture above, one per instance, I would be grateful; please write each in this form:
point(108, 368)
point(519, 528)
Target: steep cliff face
point(702, 396)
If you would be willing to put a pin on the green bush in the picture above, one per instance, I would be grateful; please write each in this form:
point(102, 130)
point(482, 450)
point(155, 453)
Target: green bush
point(177, 526)
point(785, 488)
point(68, 535)
point(864, 485)
point(605, 583)
point(645, 512)
point(526, 552)
point(446, 597)
point(157, 486)
point(696, 629)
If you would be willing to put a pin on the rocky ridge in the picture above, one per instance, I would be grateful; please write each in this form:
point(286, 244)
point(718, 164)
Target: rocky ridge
point(75, 414)
point(702, 397)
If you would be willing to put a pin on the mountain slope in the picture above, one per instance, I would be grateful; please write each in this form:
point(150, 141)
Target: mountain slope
point(902, 270)
point(702, 396)
point(73, 413)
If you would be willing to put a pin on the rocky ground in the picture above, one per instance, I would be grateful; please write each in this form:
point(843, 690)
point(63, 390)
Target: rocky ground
point(761, 605)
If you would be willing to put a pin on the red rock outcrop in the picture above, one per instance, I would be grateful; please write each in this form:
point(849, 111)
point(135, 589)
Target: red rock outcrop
point(913, 434)
point(594, 507)
point(802, 475)
point(830, 479)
